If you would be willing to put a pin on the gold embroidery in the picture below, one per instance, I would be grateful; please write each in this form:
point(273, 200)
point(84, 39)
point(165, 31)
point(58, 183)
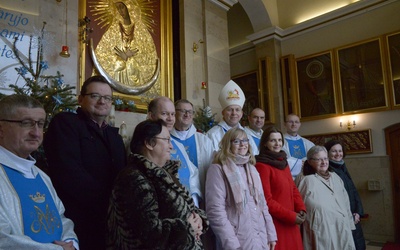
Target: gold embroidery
point(45, 221)
point(38, 198)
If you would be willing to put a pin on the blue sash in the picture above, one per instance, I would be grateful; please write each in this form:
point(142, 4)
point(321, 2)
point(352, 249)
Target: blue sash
point(40, 216)
point(224, 129)
point(296, 148)
point(256, 141)
point(183, 171)
point(190, 147)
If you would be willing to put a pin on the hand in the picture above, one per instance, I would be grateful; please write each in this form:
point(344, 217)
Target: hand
point(300, 217)
point(272, 245)
point(356, 217)
point(198, 220)
point(197, 224)
point(65, 245)
point(125, 55)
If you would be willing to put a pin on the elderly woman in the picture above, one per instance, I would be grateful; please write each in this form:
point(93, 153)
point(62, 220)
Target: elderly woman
point(235, 202)
point(283, 198)
point(149, 208)
point(336, 153)
point(329, 220)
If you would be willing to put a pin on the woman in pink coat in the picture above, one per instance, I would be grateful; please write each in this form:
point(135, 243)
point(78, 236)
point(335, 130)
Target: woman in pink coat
point(235, 203)
point(284, 200)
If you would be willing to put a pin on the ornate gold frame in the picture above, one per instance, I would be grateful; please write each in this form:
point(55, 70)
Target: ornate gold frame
point(316, 93)
point(346, 65)
point(265, 90)
point(289, 85)
point(393, 68)
point(356, 142)
point(166, 57)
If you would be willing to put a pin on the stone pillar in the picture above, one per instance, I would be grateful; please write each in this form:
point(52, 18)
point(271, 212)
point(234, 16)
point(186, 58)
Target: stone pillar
point(205, 24)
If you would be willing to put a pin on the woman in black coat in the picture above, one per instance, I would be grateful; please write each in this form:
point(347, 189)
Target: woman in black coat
point(336, 153)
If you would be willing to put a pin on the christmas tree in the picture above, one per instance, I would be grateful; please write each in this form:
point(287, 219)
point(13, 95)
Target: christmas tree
point(51, 91)
point(204, 119)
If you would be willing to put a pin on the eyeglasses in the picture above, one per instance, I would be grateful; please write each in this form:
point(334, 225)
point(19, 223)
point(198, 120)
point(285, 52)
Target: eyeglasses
point(97, 97)
point(238, 141)
point(320, 160)
point(27, 123)
point(185, 111)
point(165, 139)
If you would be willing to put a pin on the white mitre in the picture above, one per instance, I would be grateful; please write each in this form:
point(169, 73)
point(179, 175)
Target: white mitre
point(231, 94)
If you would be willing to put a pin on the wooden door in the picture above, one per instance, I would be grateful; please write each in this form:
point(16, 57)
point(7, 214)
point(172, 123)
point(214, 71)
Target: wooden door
point(392, 135)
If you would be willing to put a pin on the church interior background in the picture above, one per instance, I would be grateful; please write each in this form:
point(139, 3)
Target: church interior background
point(202, 44)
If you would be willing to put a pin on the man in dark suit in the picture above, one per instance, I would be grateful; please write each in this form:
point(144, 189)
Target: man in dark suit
point(84, 155)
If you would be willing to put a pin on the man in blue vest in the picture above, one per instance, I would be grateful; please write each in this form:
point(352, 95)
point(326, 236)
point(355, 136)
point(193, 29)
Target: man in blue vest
point(31, 213)
point(198, 146)
point(163, 108)
point(256, 123)
point(295, 146)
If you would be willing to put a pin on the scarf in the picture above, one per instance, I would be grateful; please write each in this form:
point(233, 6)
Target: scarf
point(340, 168)
point(235, 181)
point(325, 175)
point(337, 163)
point(275, 159)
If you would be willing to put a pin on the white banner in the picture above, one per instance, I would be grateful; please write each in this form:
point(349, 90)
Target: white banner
point(18, 20)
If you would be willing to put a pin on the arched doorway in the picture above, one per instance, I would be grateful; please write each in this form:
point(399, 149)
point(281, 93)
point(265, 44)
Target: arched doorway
point(392, 136)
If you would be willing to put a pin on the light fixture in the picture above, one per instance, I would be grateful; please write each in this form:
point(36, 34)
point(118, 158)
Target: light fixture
point(64, 49)
point(350, 124)
point(195, 46)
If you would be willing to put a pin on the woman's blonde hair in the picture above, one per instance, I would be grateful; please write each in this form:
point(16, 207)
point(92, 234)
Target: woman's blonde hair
point(225, 147)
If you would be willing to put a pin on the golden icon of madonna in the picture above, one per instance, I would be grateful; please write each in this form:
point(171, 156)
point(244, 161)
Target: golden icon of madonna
point(126, 54)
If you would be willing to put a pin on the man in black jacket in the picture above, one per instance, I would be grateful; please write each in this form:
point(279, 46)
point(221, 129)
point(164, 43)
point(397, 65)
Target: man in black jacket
point(84, 155)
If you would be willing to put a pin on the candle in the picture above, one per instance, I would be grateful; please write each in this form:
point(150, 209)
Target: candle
point(112, 112)
point(122, 130)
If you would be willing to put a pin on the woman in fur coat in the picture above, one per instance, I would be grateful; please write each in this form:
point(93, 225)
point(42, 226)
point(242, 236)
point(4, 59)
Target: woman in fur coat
point(149, 208)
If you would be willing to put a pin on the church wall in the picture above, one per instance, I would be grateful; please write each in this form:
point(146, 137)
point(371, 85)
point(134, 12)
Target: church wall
point(193, 65)
point(206, 25)
point(217, 47)
point(360, 27)
point(379, 226)
point(54, 16)
point(241, 63)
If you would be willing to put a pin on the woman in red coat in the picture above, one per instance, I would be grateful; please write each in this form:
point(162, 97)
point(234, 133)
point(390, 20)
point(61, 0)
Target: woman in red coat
point(284, 201)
